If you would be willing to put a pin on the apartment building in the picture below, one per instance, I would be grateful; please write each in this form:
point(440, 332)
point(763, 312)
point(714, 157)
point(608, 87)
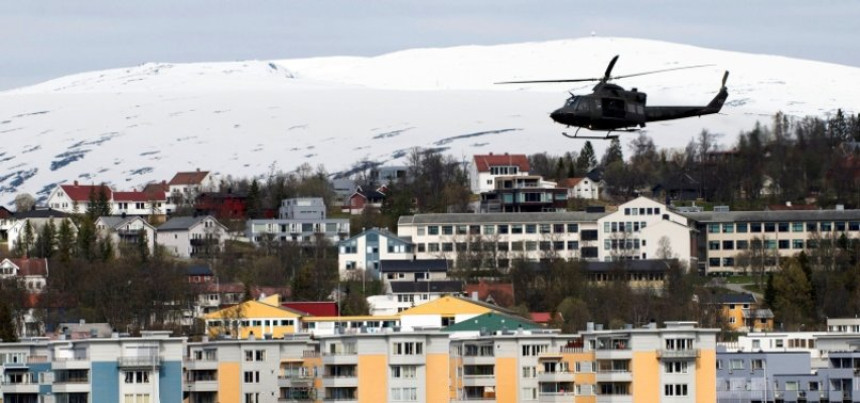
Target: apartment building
point(483, 169)
point(732, 242)
point(115, 369)
point(299, 220)
point(502, 237)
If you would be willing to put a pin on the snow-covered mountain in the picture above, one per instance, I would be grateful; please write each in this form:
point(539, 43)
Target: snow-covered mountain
point(140, 124)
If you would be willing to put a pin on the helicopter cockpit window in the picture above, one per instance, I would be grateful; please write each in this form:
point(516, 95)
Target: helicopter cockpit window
point(571, 101)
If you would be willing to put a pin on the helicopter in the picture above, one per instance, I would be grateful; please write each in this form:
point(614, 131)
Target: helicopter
point(612, 108)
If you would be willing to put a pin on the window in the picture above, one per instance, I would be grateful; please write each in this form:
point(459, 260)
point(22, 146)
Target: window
point(503, 229)
point(531, 228)
point(489, 229)
point(127, 398)
point(517, 229)
point(742, 245)
point(679, 389)
point(797, 227)
point(558, 228)
point(404, 394)
point(826, 227)
point(769, 227)
point(782, 227)
point(255, 355)
point(137, 377)
point(408, 348)
point(544, 229)
point(714, 262)
point(713, 245)
point(403, 371)
point(252, 376)
point(252, 398)
point(529, 394)
point(742, 227)
point(755, 227)
point(433, 230)
point(529, 372)
point(728, 245)
point(713, 228)
point(797, 244)
point(728, 262)
point(756, 364)
point(783, 243)
point(447, 230)
point(676, 367)
point(728, 228)
point(532, 350)
point(573, 228)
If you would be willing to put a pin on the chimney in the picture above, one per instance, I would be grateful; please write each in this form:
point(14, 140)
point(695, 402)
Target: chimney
point(76, 183)
point(475, 296)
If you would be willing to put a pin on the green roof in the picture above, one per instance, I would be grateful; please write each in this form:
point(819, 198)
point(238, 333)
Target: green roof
point(492, 322)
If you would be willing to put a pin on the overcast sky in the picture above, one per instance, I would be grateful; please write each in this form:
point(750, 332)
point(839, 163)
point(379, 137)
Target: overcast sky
point(45, 39)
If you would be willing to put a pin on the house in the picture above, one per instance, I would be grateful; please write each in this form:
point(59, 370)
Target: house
point(199, 274)
point(36, 219)
point(365, 251)
point(75, 198)
point(524, 193)
point(491, 323)
point(184, 188)
point(191, 236)
point(413, 270)
point(485, 168)
point(642, 274)
point(140, 203)
point(6, 219)
point(402, 295)
point(300, 220)
point(222, 205)
point(363, 198)
point(263, 318)
point(581, 188)
point(501, 294)
point(126, 232)
point(31, 275)
point(443, 312)
point(744, 314)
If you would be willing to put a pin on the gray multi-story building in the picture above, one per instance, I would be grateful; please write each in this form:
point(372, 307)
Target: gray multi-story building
point(299, 220)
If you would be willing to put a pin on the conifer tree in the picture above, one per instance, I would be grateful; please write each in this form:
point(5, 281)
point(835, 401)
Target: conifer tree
point(586, 159)
point(613, 153)
point(8, 334)
point(65, 241)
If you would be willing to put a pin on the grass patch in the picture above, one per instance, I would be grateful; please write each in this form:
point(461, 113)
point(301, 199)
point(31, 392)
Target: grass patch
point(745, 279)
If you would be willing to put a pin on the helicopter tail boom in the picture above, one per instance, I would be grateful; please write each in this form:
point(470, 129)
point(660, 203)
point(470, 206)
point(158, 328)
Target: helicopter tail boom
point(658, 113)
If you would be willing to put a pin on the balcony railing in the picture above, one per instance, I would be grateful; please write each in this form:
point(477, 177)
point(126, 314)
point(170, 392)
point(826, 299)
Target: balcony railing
point(140, 361)
point(690, 353)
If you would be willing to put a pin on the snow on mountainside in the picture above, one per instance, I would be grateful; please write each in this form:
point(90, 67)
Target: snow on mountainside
point(140, 124)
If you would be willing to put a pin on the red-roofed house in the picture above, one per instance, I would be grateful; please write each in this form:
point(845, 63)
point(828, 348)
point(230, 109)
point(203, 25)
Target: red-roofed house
point(31, 275)
point(501, 294)
point(484, 168)
point(544, 318)
point(186, 186)
point(313, 308)
point(75, 198)
point(138, 203)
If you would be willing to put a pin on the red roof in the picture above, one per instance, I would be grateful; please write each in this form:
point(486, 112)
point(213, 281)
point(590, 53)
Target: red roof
point(81, 193)
point(313, 308)
point(189, 178)
point(542, 317)
point(569, 182)
point(137, 196)
point(501, 293)
point(484, 162)
point(31, 267)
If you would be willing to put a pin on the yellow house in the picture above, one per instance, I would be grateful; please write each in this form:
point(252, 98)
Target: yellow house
point(263, 318)
point(444, 311)
point(744, 314)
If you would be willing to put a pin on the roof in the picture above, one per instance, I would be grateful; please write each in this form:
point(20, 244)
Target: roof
point(138, 196)
point(569, 182)
point(40, 213)
point(81, 193)
point(450, 306)
point(785, 207)
point(188, 178)
point(413, 287)
point(313, 308)
point(199, 270)
point(254, 309)
point(492, 322)
point(484, 162)
point(542, 317)
point(183, 223)
point(736, 298)
point(29, 267)
point(413, 266)
point(381, 231)
point(503, 218)
point(500, 293)
point(116, 221)
point(774, 216)
point(630, 266)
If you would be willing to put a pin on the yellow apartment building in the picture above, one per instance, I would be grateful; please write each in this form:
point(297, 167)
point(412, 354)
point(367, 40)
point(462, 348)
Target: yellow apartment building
point(261, 319)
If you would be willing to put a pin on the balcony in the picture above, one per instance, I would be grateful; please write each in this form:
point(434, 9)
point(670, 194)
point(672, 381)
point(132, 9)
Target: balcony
point(203, 364)
point(295, 380)
point(143, 361)
point(678, 354)
point(620, 375)
point(74, 362)
point(555, 376)
point(552, 397)
point(202, 386)
point(24, 384)
point(614, 399)
point(479, 380)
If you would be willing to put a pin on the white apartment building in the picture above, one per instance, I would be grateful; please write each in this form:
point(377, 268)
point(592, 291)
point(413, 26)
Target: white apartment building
point(299, 220)
point(366, 250)
point(483, 169)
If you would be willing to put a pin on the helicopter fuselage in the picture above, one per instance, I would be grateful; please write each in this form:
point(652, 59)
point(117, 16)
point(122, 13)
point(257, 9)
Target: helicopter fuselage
point(610, 107)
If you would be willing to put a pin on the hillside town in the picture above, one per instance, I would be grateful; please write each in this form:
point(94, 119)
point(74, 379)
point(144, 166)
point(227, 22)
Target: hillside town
point(529, 288)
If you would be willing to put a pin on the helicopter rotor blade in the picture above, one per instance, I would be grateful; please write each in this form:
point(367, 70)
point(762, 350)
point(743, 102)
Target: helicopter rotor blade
point(607, 75)
point(659, 71)
point(725, 77)
point(575, 80)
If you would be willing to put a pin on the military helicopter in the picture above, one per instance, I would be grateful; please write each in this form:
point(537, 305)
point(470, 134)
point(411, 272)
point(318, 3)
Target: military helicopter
point(612, 108)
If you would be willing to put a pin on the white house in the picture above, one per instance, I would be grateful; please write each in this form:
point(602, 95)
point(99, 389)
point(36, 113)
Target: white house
point(75, 198)
point(402, 295)
point(31, 275)
point(582, 188)
point(37, 219)
point(366, 250)
point(191, 236)
point(184, 187)
point(484, 169)
point(640, 228)
point(126, 231)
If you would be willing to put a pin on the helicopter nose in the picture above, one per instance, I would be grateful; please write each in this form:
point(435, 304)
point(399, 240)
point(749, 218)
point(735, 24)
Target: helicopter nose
point(556, 114)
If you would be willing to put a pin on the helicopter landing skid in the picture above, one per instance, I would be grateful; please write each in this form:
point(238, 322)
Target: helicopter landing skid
point(609, 135)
